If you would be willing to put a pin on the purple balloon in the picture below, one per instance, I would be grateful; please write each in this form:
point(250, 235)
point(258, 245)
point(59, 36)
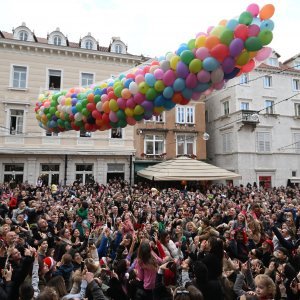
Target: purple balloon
point(203, 76)
point(182, 70)
point(74, 101)
point(236, 47)
point(228, 64)
point(148, 105)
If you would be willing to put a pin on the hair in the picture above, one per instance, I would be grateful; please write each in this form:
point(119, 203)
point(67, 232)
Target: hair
point(91, 265)
point(58, 284)
point(26, 291)
point(48, 293)
point(66, 259)
point(40, 242)
point(144, 254)
point(195, 294)
point(162, 237)
point(267, 282)
point(216, 247)
point(181, 293)
point(206, 221)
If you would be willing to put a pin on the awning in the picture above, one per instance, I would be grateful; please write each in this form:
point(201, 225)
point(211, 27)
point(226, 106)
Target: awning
point(294, 180)
point(184, 168)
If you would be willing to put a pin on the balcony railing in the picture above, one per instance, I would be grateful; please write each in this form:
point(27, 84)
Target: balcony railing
point(250, 117)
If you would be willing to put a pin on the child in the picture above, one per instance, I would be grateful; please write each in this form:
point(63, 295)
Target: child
point(65, 269)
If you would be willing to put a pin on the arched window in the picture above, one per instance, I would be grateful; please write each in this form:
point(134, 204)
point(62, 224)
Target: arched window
point(23, 35)
point(57, 40)
point(118, 48)
point(89, 45)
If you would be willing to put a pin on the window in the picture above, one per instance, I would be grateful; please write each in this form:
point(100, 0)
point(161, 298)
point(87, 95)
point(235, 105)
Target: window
point(297, 109)
point(13, 172)
point(263, 141)
point(272, 61)
point(84, 173)
point(160, 118)
point(118, 48)
point(87, 79)
point(267, 81)
point(154, 144)
point(19, 77)
point(54, 79)
point(49, 174)
point(57, 40)
point(185, 114)
point(116, 133)
point(244, 105)
point(227, 142)
point(296, 84)
point(23, 35)
point(244, 79)
point(297, 142)
point(185, 144)
point(49, 133)
point(294, 173)
point(89, 45)
point(85, 134)
point(226, 108)
point(269, 104)
point(297, 64)
point(16, 121)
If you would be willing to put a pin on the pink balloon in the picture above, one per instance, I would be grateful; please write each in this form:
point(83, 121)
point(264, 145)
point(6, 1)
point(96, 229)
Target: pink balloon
point(169, 78)
point(253, 30)
point(196, 96)
point(139, 78)
point(139, 98)
point(130, 103)
point(104, 98)
point(113, 116)
point(201, 33)
point(253, 9)
point(202, 53)
point(191, 81)
point(158, 74)
point(263, 53)
point(121, 103)
point(209, 29)
point(219, 85)
point(203, 76)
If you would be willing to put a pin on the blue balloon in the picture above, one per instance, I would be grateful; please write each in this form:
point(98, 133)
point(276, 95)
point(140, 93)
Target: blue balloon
point(150, 79)
point(168, 92)
point(232, 74)
point(231, 24)
point(181, 48)
point(98, 91)
point(267, 24)
point(256, 21)
point(168, 104)
point(179, 84)
point(159, 101)
point(127, 82)
point(201, 87)
point(74, 110)
point(187, 93)
point(210, 64)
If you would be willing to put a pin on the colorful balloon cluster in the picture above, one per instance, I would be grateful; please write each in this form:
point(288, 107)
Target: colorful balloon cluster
point(198, 67)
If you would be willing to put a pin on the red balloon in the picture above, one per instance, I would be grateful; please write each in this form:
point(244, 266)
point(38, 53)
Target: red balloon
point(220, 52)
point(248, 67)
point(111, 95)
point(91, 106)
point(241, 32)
point(105, 118)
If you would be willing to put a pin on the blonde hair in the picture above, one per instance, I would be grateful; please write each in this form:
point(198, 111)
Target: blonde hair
point(266, 281)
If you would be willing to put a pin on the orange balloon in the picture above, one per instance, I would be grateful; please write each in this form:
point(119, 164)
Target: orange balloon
point(211, 41)
point(105, 107)
point(223, 22)
point(252, 54)
point(90, 97)
point(177, 98)
point(267, 11)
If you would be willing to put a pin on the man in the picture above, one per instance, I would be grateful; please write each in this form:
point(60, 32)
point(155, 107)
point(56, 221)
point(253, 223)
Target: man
point(114, 215)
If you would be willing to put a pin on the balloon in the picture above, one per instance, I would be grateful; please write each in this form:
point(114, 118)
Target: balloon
point(195, 69)
point(267, 12)
point(253, 9)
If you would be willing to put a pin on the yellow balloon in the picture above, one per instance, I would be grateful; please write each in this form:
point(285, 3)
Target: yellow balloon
point(129, 112)
point(174, 61)
point(200, 41)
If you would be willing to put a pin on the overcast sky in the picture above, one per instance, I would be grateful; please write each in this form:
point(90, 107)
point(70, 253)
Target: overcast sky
point(151, 27)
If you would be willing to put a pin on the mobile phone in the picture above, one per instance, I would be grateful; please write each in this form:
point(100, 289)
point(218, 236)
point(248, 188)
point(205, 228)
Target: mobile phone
point(82, 266)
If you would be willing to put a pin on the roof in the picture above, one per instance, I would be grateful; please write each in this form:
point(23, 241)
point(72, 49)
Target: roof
point(184, 168)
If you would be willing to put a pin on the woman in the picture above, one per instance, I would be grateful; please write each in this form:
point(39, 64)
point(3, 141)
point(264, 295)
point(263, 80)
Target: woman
point(167, 247)
point(146, 266)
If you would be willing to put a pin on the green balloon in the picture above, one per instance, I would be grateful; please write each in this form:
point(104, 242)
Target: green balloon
point(138, 117)
point(79, 123)
point(187, 56)
point(266, 36)
point(49, 116)
point(245, 18)
point(151, 94)
point(67, 117)
point(85, 112)
point(118, 91)
point(80, 96)
point(97, 98)
point(122, 123)
point(253, 43)
point(195, 65)
point(121, 114)
point(67, 125)
point(46, 111)
point(114, 124)
point(84, 102)
point(78, 106)
point(52, 110)
point(60, 123)
point(191, 44)
point(226, 37)
point(138, 110)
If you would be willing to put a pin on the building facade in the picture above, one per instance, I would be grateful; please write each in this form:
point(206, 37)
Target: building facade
point(180, 131)
point(28, 66)
point(254, 124)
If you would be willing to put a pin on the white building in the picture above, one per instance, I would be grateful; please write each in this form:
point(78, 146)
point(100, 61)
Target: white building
point(254, 124)
point(29, 65)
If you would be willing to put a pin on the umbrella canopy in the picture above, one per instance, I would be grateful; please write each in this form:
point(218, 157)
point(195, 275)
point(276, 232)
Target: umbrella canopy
point(184, 168)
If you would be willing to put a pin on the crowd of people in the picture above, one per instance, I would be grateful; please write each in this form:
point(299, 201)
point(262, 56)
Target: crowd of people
point(117, 241)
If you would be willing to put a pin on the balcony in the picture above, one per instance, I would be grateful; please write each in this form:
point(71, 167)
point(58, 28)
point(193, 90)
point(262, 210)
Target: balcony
point(249, 118)
point(158, 157)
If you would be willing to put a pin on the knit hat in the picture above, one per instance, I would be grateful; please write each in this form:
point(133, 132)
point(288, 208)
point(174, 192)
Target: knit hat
point(270, 243)
point(50, 262)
